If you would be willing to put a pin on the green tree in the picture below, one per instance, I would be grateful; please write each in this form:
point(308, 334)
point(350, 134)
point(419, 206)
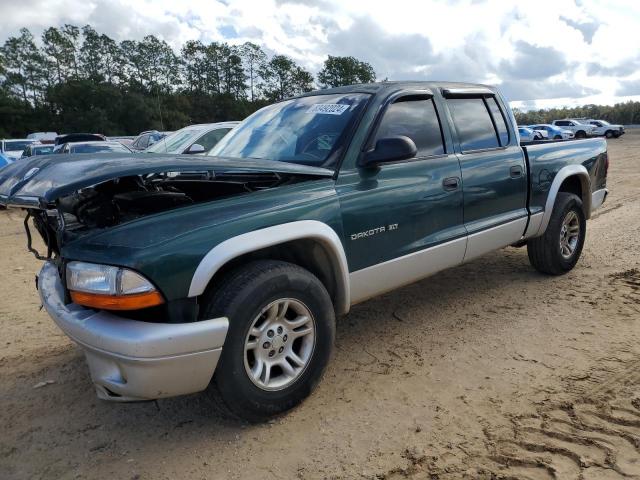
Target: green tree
point(339, 71)
point(254, 59)
point(283, 78)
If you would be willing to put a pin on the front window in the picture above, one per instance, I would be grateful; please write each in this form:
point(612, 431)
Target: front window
point(307, 130)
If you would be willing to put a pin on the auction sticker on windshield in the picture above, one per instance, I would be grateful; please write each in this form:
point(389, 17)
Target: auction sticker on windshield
point(328, 108)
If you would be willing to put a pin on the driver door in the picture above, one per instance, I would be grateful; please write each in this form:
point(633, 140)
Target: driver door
point(404, 220)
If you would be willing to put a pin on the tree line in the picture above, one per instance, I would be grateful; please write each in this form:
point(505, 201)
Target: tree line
point(625, 113)
point(77, 79)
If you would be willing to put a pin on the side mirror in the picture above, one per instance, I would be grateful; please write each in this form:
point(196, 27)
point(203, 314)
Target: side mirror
point(390, 149)
point(195, 148)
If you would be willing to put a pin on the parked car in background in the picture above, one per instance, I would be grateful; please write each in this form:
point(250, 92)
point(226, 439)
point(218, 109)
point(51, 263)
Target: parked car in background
point(12, 149)
point(527, 134)
point(146, 139)
point(607, 129)
point(94, 147)
point(43, 137)
point(126, 140)
point(553, 132)
point(194, 139)
point(579, 129)
point(79, 137)
point(37, 149)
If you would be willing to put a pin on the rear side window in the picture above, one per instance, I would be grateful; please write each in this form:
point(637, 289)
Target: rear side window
point(416, 119)
point(498, 118)
point(473, 123)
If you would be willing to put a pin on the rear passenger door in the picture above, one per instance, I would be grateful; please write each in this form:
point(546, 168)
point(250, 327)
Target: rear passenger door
point(494, 175)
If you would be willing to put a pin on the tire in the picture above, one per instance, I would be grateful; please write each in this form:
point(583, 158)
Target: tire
point(548, 253)
point(608, 134)
point(616, 134)
point(254, 298)
point(581, 134)
point(558, 137)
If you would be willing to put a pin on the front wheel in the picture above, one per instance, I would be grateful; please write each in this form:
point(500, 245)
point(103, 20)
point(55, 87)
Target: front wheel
point(558, 250)
point(280, 338)
point(581, 134)
point(557, 137)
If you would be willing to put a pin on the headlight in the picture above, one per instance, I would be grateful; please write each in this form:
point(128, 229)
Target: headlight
point(110, 288)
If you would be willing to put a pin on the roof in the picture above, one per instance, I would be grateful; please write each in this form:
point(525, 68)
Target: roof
point(387, 87)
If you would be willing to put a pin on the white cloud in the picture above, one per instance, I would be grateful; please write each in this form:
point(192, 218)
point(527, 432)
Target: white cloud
point(546, 52)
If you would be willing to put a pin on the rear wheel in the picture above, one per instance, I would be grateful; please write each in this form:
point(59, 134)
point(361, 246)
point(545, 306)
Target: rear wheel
point(280, 338)
point(581, 134)
point(558, 250)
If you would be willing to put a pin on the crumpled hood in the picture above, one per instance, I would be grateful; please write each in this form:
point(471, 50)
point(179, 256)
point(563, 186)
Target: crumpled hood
point(40, 180)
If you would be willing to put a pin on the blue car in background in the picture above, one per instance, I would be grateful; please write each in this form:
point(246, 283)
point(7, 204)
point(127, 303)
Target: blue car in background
point(4, 160)
point(555, 133)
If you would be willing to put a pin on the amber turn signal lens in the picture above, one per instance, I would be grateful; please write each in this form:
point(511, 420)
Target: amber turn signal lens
point(134, 301)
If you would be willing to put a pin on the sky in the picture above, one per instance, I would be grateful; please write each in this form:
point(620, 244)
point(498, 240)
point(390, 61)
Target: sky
point(542, 53)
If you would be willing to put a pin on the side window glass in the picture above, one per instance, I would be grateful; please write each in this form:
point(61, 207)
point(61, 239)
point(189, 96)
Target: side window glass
point(498, 118)
point(473, 124)
point(210, 139)
point(416, 119)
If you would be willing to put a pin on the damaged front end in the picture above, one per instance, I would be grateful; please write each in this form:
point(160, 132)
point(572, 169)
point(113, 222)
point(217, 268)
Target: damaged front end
point(66, 199)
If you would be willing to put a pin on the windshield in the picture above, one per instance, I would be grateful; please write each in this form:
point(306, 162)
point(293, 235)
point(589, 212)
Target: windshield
point(96, 147)
point(43, 150)
point(17, 146)
point(176, 142)
point(306, 130)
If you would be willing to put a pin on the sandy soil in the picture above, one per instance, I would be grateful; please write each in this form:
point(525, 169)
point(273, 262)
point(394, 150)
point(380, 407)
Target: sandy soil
point(488, 371)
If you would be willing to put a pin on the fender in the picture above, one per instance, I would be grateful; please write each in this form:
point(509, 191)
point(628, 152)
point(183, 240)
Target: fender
point(267, 237)
point(561, 176)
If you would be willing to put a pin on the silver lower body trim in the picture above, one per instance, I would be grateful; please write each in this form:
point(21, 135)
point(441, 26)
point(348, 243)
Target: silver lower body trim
point(534, 225)
point(494, 238)
point(395, 273)
point(131, 360)
point(598, 197)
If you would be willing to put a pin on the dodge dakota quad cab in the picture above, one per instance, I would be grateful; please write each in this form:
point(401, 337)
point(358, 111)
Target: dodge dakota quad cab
point(172, 272)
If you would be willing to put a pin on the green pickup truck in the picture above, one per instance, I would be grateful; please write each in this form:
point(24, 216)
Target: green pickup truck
point(172, 272)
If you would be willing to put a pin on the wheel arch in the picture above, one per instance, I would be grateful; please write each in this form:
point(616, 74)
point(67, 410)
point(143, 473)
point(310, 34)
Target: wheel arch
point(571, 179)
point(308, 243)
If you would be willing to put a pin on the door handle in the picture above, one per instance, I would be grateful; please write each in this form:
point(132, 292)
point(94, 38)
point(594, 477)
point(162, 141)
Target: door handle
point(451, 183)
point(515, 172)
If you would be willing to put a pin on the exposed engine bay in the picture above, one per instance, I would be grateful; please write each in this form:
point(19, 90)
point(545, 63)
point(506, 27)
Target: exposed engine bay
point(128, 198)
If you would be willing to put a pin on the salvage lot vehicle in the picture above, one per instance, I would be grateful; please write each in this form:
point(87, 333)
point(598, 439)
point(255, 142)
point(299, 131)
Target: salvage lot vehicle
point(579, 129)
point(166, 269)
point(553, 132)
point(93, 147)
point(607, 129)
point(37, 149)
point(194, 139)
point(12, 149)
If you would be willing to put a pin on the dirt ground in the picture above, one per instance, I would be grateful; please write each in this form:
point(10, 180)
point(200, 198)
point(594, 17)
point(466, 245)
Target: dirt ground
point(486, 371)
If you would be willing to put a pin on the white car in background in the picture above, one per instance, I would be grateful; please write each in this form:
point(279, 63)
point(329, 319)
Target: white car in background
point(12, 149)
point(194, 139)
point(579, 129)
point(606, 129)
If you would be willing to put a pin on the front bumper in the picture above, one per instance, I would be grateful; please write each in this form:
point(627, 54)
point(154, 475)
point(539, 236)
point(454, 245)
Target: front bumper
point(132, 360)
